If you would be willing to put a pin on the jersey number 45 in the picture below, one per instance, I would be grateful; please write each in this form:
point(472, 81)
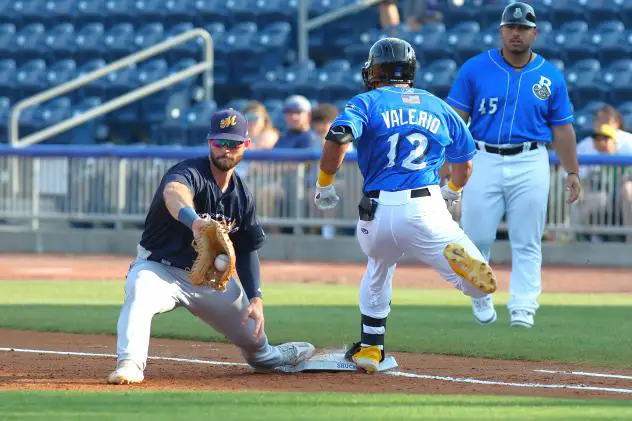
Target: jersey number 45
point(412, 161)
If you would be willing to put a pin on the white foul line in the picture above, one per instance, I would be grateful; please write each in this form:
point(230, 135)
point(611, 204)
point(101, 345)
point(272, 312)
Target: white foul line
point(91, 354)
point(587, 374)
point(390, 373)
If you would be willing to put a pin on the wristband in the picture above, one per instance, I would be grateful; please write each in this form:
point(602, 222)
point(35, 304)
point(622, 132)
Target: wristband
point(453, 186)
point(187, 215)
point(325, 179)
point(569, 173)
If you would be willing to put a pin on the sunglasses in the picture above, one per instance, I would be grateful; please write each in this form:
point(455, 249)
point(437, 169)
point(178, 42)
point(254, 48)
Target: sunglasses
point(226, 143)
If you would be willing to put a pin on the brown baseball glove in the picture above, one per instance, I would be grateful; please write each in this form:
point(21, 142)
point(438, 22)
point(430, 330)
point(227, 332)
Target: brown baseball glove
point(213, 241)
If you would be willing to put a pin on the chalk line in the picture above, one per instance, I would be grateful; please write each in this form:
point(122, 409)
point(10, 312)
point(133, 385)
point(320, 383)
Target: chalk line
point(586, 373)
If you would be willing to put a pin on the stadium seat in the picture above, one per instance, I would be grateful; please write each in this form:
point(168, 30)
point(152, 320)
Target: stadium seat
point(236, 104)
point(558, 63)
point(197, 118)
point(152, 107)
point(32, 78)
point(30, 42)
point(119, 41)
point(277, 11)
point(612, 49)
point(456, 13)
point(244, 10)
point(5, 111)
point(148, 35)
point(437, 77)
point(90, 11)
point(180, 10)
point(89, 42)
point(464, 39)
point(151, 11)
point(118, 11)
point(618, 78)
point(53, 112)
point(60, 40)
point(88, 132)
point(190, 49)
point(563, 11)
point(188, 84)
point(273, 105)
point(31, 12)
point(429, 43)
point(583, 124)
point(598, 11)
point(173, 129)
point(119, 83)
point(582, 81)
point(274, 40)
point(97, 87)
point(7, 40)
point(212, 11)
point(491, 13)
point(61, 72)
point(574, 41)
point(9, 14)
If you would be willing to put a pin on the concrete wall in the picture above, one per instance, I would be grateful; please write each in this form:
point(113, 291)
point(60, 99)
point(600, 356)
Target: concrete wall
point(306, 248)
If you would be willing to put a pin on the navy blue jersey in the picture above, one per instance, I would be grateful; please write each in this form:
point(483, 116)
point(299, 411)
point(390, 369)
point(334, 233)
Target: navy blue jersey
point(169, 240)
point(510, 107)
point(403, 137)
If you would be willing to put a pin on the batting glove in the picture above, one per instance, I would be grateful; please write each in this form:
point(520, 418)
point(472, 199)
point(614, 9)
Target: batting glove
point(451, 198)
point(326, 197)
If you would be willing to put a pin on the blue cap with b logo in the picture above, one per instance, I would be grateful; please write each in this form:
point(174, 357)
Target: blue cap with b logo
point(228, 124)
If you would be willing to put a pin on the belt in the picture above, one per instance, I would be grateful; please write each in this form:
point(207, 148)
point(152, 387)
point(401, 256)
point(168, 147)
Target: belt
point(508, 151)
point(423, 192)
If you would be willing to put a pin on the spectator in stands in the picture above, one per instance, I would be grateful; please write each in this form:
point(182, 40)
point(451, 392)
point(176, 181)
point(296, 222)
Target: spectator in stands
point(322, 117)
point(608, 138)
point(297, 111)
point(416, 13)
point(260, 126)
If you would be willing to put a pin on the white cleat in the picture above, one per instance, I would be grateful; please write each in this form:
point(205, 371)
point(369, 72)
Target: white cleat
point(294, 353)
point(483, 309)
point(522, 318)
point(127, 372)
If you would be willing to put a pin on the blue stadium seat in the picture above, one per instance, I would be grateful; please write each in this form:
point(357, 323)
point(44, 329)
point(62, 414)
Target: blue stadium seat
point(542, 10)
point(120, 41)
point(491, 13)
point(8, 74)
point(186, 85)
point(53, 112)
point(274, 40)
point(236, 104)
point(61, 72)
point(582, 81)
point(30, 42)
point(429, 43)
point(7, 39)
point(152, 107)
point(241, 40)
point(562, 11)
point(61, 11)
point(583, 123)
point(119, 83)
point(546, 46)
point(197, 118)
point(618, 78)
point(456, 13)
point(437, 77)
point(150, 11)
point(612, 48)
point(464, 40)
point(148, 35)
point(350, 85)
point(212, 11)
point(598, 11)
point(95, 88)
point(273, 105)
point(90, 11)
point(558, 63)
point(5, 111)
point(576, 41)
point(89, 42)
point(32, 12)
point(626, 112)
point(60, 40)
point(88, 132)
point(118, 11)
point(32, 78)
point(173, 130)
point(244, 10)
point(277, 11)
point(180, 10)
point(8, 13)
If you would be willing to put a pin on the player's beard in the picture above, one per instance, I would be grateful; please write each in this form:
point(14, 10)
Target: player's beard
point(226, 163)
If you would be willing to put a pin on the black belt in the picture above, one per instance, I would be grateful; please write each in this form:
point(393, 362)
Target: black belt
point(423, 192)
point(508, 151)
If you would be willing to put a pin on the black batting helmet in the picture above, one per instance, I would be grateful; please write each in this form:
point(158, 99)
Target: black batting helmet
point(518, 14)
point(391, 60)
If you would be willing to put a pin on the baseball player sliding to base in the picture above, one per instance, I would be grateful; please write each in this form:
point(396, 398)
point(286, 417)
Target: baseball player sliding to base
point(158, 280)
point(516, 103)
point(403, 137)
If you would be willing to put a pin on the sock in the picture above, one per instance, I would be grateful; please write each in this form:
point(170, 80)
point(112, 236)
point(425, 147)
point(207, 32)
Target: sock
point(372, 332)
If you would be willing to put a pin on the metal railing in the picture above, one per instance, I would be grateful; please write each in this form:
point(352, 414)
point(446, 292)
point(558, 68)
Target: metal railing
point(115, 186)
point(305, 24)
point(205, 66)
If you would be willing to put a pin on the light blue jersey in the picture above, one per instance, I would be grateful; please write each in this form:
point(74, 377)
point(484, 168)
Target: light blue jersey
point(403, 137)
point(509, 107)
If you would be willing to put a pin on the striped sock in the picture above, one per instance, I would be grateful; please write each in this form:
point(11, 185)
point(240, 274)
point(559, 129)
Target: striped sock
point(373, 331)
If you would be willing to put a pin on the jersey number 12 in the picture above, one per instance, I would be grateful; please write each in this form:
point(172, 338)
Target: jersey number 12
point(415, 156)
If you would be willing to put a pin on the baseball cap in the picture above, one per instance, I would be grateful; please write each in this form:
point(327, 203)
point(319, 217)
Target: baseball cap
point(228, 124)
point(607, 131)
point(297, 103)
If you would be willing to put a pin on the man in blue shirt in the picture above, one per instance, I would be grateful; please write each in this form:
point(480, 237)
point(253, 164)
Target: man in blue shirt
point(517, 103)
point(297, 111)
point(402, 136)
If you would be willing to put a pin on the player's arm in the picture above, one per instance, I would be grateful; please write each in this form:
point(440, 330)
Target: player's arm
point(565, 145)
point(179, 202)
point(337, 143)
point(461, 172)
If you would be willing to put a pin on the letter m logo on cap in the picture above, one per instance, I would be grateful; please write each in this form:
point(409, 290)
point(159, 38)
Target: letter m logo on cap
point(227, 122)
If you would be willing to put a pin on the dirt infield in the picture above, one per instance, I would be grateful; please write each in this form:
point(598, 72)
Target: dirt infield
point(421, 373)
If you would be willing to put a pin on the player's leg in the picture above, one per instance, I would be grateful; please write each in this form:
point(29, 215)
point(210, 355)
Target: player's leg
point(435, 239)
point(482, 207)
point(528, 180)
point(225, 311)
point(149, 290)
point(376, 240)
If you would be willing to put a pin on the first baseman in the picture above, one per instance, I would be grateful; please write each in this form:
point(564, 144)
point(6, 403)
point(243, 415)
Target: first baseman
point(402, 136)
point(516, 103)
point(158, 279)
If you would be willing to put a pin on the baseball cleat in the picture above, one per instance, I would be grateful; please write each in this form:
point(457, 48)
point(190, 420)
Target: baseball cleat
point(483, 309)
point(522, 318)
point(127, 372)
point(293, 353)
point(475, 272)
point(368, 358)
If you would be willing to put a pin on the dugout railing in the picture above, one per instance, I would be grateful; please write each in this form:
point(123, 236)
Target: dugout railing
point(75, 185)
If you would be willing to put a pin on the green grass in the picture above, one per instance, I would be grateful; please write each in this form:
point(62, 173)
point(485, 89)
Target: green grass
point(591, 329)
point(154, 406)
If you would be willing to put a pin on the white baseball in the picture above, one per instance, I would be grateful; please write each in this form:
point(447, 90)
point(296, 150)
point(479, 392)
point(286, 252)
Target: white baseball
point(221, 262)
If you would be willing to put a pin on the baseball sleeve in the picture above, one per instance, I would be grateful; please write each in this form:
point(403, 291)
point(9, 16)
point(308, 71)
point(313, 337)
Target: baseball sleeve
point(250, 235)
point(355, 115)
point(186, 175)
point(461, 93)
point(462, 148)
point(560, 106)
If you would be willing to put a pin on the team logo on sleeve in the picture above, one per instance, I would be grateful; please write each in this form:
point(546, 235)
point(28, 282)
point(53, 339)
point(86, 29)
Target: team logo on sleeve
point(542, 89)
